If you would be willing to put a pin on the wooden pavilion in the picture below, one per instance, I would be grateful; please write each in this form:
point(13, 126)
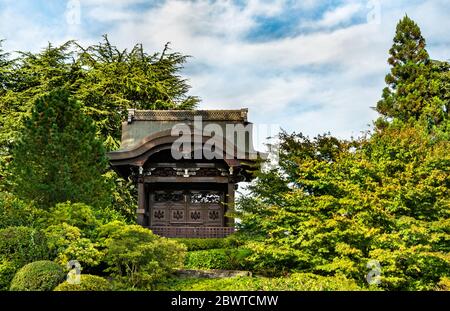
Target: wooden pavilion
point(186, 164)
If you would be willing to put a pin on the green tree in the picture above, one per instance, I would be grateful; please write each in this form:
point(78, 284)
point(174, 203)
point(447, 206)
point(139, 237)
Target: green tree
point(385, 198)
point(5, 79)
point(136, 257)
point(115, 80)
point(4, 69)
point(58, 157)
point(413, 89)
point(332, 206)
point(106, 80)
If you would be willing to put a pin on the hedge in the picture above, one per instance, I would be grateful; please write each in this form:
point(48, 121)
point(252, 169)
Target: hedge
point(224, 258)
point(296, 281)
point(22, 245)
point(41, 275)
point(87, 283)
point(7, 271)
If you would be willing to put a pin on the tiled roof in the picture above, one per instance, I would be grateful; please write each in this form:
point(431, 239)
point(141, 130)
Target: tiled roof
point(180, 115)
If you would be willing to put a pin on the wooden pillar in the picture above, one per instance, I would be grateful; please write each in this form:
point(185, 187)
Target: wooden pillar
point(229, 222)
point(141, 202)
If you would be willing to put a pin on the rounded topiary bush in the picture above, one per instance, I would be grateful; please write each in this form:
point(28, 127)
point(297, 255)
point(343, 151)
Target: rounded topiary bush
point(41, 275)
point(87, 283)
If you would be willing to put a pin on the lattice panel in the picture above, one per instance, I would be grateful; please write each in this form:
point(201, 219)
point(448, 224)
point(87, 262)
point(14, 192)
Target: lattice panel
point(180, 115)
point(161, 197)
point(205, 197)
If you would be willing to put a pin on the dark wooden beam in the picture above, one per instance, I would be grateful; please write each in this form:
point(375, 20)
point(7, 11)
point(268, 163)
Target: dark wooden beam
point(188, 164)
point(181, 179)
point(141, 202)
point(229, 222)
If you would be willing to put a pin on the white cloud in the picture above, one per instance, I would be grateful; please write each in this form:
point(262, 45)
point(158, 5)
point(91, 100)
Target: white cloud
point(339, 15)
point(111, 14)
point(313, 82)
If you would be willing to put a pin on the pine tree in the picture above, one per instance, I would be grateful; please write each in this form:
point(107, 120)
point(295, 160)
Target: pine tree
point(4, 69)
point(409, 89)
point(5, 83)
point(107, 81)
point(58, 157)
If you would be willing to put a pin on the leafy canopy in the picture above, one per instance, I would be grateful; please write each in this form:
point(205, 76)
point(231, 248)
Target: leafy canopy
point(414, 85)
point(333, 206)
point(58, 157)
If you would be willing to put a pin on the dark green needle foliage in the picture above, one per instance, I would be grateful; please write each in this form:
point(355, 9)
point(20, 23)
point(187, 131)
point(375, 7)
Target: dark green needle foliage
point(414, 85)
point(58, 157)
point(105, 79)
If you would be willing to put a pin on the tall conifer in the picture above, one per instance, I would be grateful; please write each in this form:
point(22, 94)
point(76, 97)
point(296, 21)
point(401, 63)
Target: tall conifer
point(58, 157)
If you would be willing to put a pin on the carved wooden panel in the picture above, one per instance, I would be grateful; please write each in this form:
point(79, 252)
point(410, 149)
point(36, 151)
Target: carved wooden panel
point(210, 202)
point(196, 216)
point(177, 216)
point(186, 208)
point(159, 217)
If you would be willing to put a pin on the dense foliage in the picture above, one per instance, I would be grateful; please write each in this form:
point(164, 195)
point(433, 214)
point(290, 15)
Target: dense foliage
point(87, 283)
point(19, 246)
point(136, 257)
point(333, 215)
point(15, 212)
point(197, 244)
point(296, 281)
point(41, 275)
point(336, 206)
point(58, 157)
point(22, 245)
point(104, 80)
point(219, 258)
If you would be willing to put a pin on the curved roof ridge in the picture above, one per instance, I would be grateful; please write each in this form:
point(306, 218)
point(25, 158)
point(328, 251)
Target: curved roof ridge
point(182, 115)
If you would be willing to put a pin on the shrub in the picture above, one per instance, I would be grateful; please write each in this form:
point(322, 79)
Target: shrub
point(75, 214)
point(270, 260)
point(66, 242)
point(136, 257)
point(88, 283)
point(226, 259)
point(411, 269)
point(7, 271)
point(21, 245)
point(197, 244)
point(15, 212)
point(41, 275)
point(444, 284)
point(110, 231)
point(332, 206)
point(296, 281)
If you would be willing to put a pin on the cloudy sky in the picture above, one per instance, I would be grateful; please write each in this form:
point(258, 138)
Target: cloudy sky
point(308, 65)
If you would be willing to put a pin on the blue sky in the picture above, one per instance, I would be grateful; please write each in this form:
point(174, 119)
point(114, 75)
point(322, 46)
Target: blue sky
point(313, 66)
